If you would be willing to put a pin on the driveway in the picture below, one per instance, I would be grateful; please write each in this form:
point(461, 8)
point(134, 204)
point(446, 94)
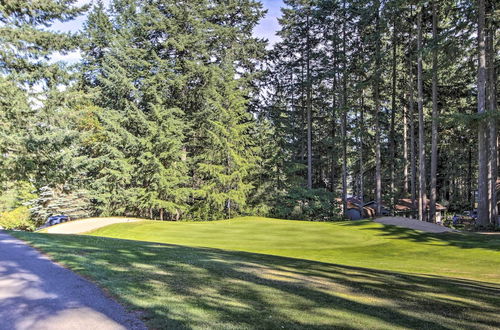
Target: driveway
point(36, 294)
point(85, 225)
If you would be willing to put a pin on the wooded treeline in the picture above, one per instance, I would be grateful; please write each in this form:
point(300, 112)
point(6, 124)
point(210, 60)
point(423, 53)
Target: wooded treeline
point(176, 111)
point(378, 99)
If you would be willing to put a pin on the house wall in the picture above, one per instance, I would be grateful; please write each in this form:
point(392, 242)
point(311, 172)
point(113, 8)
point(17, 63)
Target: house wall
point(353, 214)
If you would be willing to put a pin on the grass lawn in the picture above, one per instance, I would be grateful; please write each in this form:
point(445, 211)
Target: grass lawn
point(359, 243)
point(265, 273)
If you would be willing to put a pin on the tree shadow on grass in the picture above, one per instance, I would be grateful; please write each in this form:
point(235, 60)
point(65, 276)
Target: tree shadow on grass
point(186, 287)
point(458, 239)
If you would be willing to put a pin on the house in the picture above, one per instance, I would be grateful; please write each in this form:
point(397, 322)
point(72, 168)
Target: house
point(355, 209)
point(371, 209)
point(407, 208)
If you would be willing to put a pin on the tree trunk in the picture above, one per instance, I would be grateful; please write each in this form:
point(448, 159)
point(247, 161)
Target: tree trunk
point(309, 111)
point(303, 107)
point(392, 137)
point(434, 136)
point(334, 129)
point(344, 114)
point(405, 152)
point(493, 132)
point(482, 193)
point(376, 95)
point(411, 101)
point(422, 196)
point(361, 160)
point(334, 115)
point(413, 151)
point(470, 200)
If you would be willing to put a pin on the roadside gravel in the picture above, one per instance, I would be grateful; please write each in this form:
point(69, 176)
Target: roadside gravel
point(85, 225)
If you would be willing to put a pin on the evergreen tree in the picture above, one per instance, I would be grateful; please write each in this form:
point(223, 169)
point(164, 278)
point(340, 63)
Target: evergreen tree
point(137, 163)
point(32, 84)
point(26, 45)
point(227, 153)
point(162, 92)
point(14, 115)
point(175, 115)
point(389, 48)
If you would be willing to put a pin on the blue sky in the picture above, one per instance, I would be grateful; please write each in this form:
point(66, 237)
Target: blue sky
point(266, 29)
point(269, 25)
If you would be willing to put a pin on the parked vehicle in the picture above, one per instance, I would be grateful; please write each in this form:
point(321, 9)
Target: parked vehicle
point(55, 219)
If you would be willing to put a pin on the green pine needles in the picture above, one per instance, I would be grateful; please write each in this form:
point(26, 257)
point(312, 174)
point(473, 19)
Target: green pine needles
point(174, 132)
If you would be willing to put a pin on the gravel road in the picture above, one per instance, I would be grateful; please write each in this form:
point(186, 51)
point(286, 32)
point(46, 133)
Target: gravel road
point(37, 294)
point(85, 225)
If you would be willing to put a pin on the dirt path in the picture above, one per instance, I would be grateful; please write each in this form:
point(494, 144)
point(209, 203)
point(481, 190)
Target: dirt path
point(36, 294)
point(85, 225)
point(414, 224)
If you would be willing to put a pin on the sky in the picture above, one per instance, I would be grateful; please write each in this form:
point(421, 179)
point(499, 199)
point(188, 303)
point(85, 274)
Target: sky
point(266, 29)
point(269, 25)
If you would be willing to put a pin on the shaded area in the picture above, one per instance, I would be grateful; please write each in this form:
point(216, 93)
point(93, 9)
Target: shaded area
point(462, 240)
point(185, 287)
point(35, 293)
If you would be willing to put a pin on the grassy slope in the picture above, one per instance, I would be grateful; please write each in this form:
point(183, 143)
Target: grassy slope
point(361, 243)
point(189, 286)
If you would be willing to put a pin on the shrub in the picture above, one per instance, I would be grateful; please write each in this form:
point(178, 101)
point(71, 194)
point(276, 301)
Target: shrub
point(18, 218)
point(305, 204)
point(14, 194)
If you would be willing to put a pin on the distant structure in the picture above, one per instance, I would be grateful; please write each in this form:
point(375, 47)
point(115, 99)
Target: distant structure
point(406, 208)
point(356, 210)
point(371, 209)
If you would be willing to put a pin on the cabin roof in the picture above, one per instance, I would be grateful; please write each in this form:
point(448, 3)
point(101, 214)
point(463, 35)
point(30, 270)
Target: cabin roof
point(405, 204)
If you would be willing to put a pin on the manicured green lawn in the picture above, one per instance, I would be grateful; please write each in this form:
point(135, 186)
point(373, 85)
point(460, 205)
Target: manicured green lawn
point(264, 273)
point(360, 243)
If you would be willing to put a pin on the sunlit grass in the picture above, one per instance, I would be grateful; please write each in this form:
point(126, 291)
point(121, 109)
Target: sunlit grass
point(261, 273)
point(360, 243)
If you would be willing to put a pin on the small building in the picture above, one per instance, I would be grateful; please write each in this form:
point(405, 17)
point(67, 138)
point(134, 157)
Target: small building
point(356, 210)
point(405, 207)
point(371, 209)
point(353, 214)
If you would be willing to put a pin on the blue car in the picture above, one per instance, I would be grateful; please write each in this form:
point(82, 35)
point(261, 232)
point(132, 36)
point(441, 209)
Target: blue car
point(55, 219)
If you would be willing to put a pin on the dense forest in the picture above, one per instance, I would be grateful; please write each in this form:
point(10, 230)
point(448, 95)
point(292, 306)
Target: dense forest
point(176, 111)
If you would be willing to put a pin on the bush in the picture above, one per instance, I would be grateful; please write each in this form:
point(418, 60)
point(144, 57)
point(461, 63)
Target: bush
point(305, 204)
point(18, 218)
point(15, 194)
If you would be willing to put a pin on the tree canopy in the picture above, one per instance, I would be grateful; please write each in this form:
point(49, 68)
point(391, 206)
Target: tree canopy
point(177, 111)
